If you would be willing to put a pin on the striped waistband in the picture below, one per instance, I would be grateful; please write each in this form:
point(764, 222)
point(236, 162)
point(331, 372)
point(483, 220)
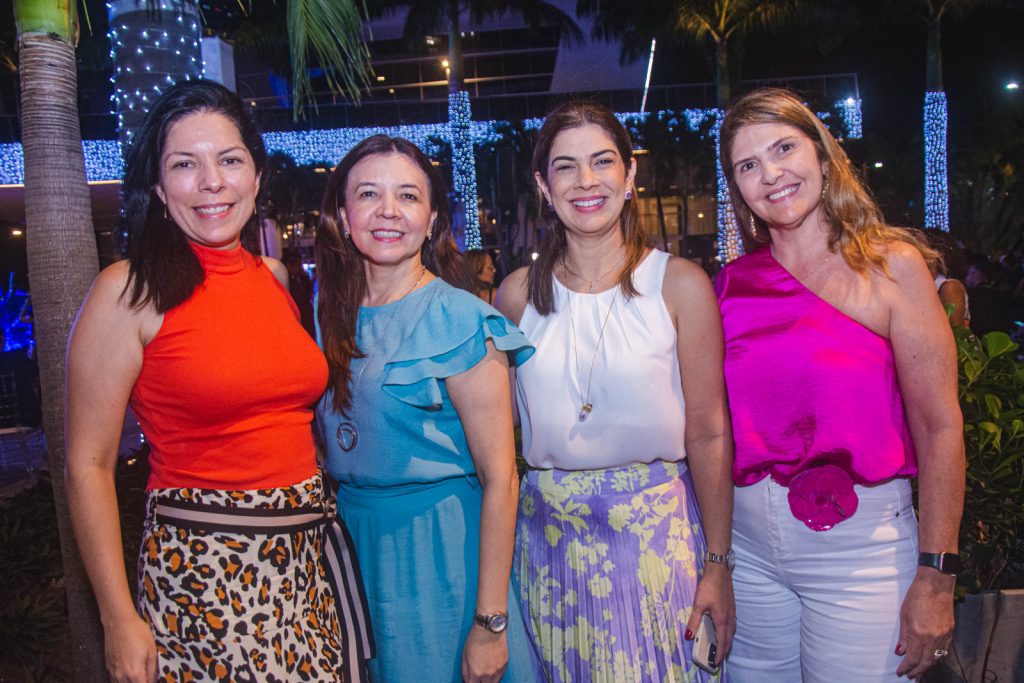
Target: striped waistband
point(203, 517)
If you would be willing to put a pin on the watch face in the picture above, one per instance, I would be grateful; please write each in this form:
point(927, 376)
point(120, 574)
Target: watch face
point(497, 623)
point(951, 563)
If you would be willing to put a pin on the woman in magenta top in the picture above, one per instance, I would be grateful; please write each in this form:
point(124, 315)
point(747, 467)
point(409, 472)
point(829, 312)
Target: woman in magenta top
point(841, 373)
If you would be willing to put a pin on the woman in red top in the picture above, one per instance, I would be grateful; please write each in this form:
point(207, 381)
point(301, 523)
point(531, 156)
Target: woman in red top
point(204, 341)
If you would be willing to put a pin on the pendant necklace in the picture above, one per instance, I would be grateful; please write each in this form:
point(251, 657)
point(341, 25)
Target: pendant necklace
point(587, 406)
point(592, 284)
point(347, 435)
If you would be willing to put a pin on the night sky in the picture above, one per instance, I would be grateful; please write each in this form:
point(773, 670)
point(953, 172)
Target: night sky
point(982, 51)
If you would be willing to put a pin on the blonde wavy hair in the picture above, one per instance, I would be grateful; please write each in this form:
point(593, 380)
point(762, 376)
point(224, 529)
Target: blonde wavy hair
point(857, 228)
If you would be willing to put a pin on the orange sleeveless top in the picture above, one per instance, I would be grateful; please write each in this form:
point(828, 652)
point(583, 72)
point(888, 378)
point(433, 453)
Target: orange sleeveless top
point(226, 385)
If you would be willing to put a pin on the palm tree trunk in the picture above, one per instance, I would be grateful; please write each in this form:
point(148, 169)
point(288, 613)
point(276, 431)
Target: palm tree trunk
point(723, 86)
point(933, 65)
point(454, 48)
point(684, 224)
point(661, 220)
point(936, 113)
point(62, 263)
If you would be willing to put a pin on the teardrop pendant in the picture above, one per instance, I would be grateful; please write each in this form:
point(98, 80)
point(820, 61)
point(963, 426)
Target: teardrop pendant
point(585, 412)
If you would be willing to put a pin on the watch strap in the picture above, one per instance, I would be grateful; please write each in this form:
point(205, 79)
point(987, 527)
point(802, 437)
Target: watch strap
point(947, 563)
point(487, 621)
point(728, 558)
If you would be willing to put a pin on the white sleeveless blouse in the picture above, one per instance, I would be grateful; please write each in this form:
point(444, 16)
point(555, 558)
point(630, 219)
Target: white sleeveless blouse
point(638, 413)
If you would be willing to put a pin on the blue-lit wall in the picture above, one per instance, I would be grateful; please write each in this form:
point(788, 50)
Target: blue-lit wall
point(326, 147)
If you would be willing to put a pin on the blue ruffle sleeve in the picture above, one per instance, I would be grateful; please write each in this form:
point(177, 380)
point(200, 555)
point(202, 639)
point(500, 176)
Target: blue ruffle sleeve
point(450, 337)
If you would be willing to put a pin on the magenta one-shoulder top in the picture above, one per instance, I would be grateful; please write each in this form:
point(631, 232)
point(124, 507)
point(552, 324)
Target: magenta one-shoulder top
point(807, 384)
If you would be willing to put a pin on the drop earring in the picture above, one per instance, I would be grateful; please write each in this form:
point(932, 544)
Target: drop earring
point(347, 234)
point(824, 188)
point(166, 217)
point(753, 228)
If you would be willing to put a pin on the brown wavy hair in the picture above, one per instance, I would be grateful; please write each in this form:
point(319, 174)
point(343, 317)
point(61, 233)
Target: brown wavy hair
point(857, 228)
point(342, 280)
point(553, 245)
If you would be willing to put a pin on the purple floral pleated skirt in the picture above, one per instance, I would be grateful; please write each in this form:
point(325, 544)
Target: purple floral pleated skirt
point(607, 563)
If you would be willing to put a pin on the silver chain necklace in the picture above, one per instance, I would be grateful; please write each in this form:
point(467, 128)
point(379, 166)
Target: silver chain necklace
point(591, 284)
point(347, 435)
point(587, 406)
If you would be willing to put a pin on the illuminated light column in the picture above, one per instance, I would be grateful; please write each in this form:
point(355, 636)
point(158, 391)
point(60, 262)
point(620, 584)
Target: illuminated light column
point(460, 135)
point(853, 119)
point(936, 184)
point(152, 47)
point(730, 241)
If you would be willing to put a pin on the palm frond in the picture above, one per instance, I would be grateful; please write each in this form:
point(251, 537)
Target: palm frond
point(534, 12)
point(615, 20)
point(425, 17)
point(333, 31)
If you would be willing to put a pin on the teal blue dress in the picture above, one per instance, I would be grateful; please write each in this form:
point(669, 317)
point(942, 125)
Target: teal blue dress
point(408, 490)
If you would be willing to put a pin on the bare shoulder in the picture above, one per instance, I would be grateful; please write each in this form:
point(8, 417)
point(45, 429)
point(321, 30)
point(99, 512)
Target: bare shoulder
point(110, 293)
point(107, 308)
point(684, 271)
point(513, 294)
point(686, 284)
point(907, 293)
point(904, 260)
point(278, 269)
point(112, 280)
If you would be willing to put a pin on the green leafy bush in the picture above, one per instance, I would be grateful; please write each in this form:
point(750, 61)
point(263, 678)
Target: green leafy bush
point(992, 400)
point(32, 612)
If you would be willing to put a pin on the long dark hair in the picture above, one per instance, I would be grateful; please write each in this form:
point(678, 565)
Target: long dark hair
point(162, 267)
point(856, 226)
point(552, 247)
point(340, 265)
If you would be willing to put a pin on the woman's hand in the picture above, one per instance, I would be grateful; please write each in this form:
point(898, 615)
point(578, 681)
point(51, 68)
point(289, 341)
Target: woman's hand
point(130, 650)
point(714, 595)
point(926, 622)
point(484, 656)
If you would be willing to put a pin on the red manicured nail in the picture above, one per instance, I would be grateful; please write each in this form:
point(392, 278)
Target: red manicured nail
point(901, 649)
point(689, 634)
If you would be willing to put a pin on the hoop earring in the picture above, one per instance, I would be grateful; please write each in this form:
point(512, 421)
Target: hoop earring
point(753, 228)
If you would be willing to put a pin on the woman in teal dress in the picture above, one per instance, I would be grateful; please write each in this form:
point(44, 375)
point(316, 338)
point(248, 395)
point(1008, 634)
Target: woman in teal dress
point(417, 422)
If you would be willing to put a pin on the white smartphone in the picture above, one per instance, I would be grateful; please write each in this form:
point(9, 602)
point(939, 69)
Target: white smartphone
point(705, 645)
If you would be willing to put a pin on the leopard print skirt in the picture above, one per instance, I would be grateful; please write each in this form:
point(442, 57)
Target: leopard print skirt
point(239, 606)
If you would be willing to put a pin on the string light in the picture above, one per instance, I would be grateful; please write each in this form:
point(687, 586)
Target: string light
point(327, 146)
point(145, 54)
point(936, 190)
point(460, 136)
point(853, 120)
point(730, 244)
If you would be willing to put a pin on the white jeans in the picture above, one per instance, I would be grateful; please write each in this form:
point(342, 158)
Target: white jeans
point(820, 606)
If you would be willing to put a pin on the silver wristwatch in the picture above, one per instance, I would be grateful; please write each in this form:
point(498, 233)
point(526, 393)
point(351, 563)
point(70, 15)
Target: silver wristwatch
point(495, 623)
point(728, 559)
